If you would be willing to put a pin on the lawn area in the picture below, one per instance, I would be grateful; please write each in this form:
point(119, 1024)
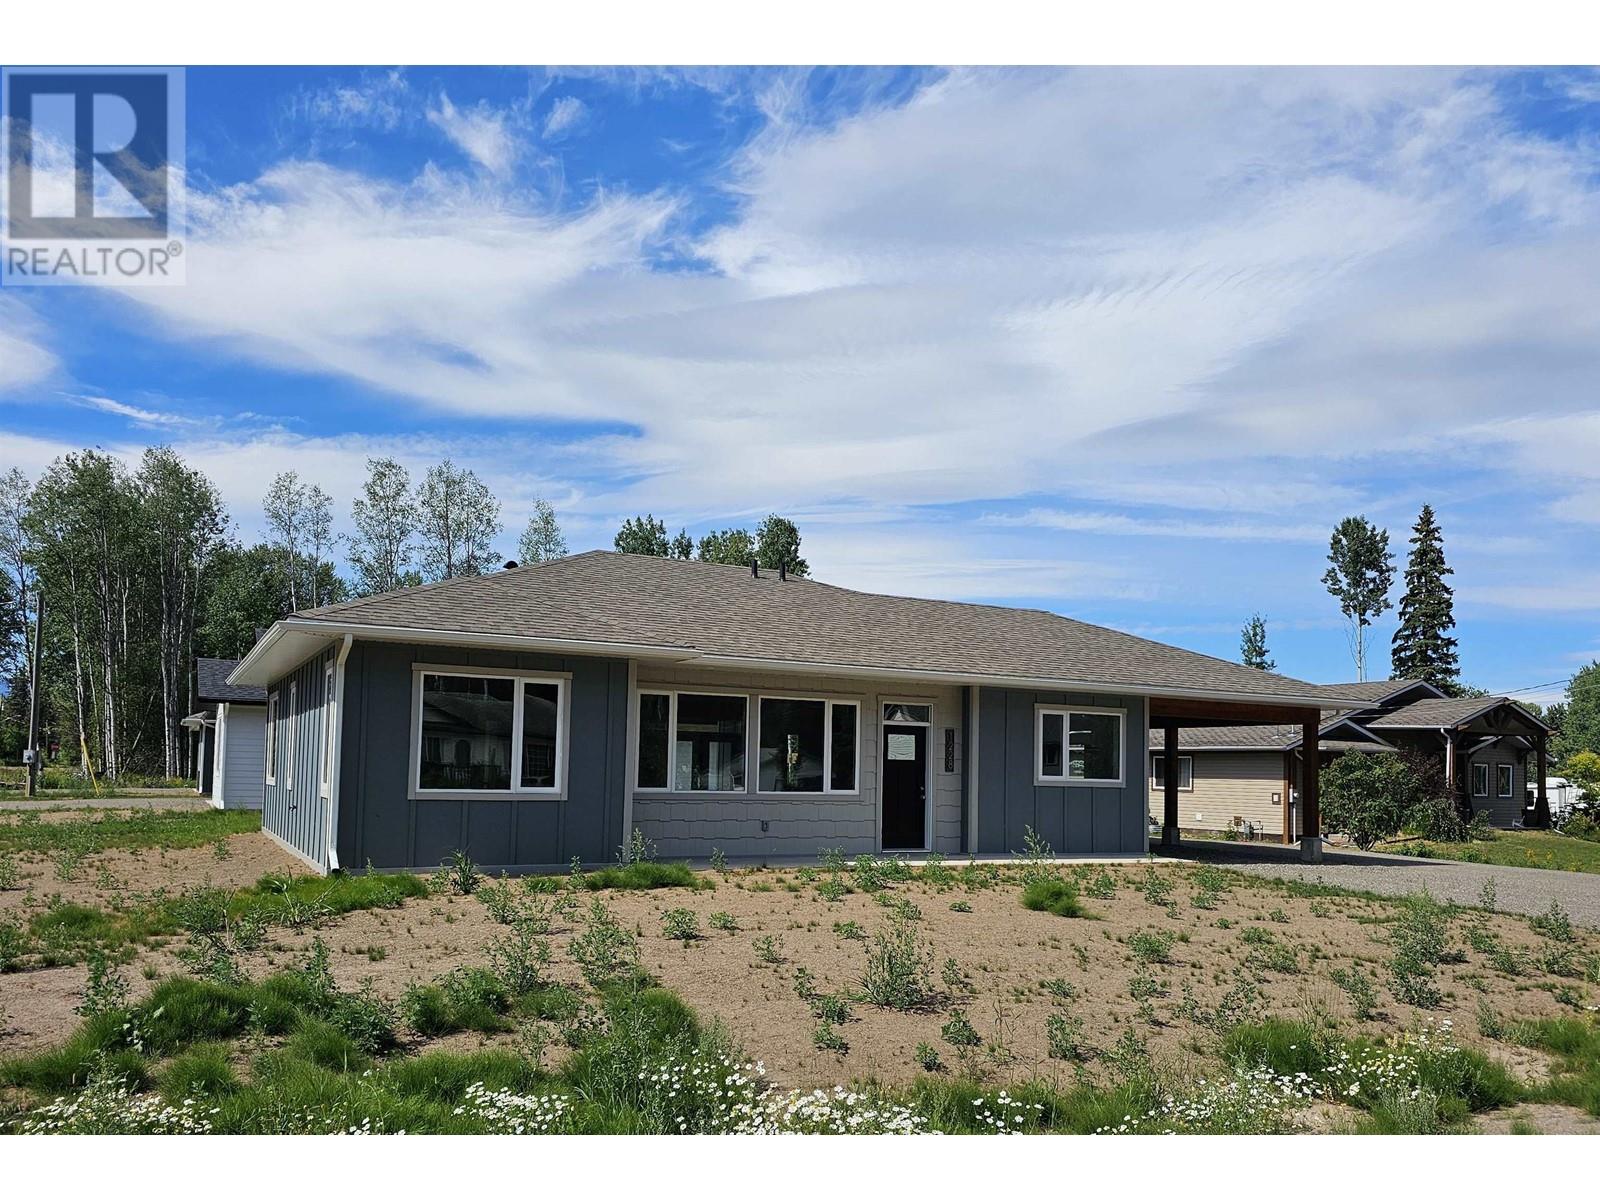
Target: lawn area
point(150, 829)
point(1510, 848)
point(966, 997)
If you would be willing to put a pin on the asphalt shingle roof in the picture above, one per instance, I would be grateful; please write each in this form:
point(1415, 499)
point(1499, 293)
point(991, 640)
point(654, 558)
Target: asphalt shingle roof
point(601, 596)
point(1371, 689)
point(211, 683)
point(1432, 713)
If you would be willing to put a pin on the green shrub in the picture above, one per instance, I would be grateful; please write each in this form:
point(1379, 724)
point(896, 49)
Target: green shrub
point(326, 1045)
point(680, 925)
point(1151, 946)
point(958, 1031)
point(1367, 796)
point(898, 974)
point(203, 1070)
point(1052, 894)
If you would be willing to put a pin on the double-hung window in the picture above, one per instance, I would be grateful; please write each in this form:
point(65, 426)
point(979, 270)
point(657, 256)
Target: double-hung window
point(1158, 772)
point(692, 742)
point(1078, 746)
point(326, 765)
point(289, 738)
point(1504, 773)
point(1480, 779)
point(489, 733)
point(808, 745)
point(272, 738)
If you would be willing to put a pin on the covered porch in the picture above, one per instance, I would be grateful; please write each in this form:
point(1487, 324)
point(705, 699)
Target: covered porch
point(1171, 715)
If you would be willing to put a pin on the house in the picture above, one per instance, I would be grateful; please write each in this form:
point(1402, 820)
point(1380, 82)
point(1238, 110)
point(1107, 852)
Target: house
point(537, 715)
point(231, 726)
point(1246, 779)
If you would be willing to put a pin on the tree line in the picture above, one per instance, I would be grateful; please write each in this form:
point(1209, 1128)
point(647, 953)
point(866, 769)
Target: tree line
point(143, 571)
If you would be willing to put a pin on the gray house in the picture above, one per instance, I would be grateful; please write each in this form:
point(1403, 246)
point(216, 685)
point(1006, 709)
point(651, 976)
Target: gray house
point(1246, 779)
point(537, 715)
point(230, 726)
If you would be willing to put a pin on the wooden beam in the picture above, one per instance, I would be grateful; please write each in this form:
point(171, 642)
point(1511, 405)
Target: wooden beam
point(1541, 799)
point(1310, 769)
point(1169, 790)
point(1163, 709)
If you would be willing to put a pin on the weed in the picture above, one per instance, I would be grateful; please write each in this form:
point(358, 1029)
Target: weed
point(637, 849)
point(1553, 923)
point(723, 921)
point(850, 931)
point(681, 925)
point(521, 958)
point(1418, 938)
point(958, 1031)
point(719, 860)
point(960, 906)
point(1102, 885)
point(927, 1058)
point(828, 1037)
point(1059, 988)
point(106, 989)
point(1038, 861)
point(10, 874)
point(461, 874)
point(1156, 887)
point(1486, 894)
point(1064, 1035)
point(769, 950)
point(1151, 946)
point(898, 969)
point(1355, 984)
point(832, 1009)
point(955, 979)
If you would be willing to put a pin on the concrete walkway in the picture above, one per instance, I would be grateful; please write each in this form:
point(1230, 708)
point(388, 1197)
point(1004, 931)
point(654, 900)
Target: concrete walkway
point(1526, 890)
point(169, 799)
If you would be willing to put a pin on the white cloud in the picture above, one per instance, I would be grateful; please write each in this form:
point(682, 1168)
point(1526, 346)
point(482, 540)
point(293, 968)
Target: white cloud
point(1122, 525)
point(486, 135)
point(147, 417)
point(566, 115)
point(1033, 282)
point(378, 101)
point(24, 359)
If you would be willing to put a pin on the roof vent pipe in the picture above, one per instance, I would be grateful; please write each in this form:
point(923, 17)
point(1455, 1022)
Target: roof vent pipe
point(783, 572)
point(755, 569)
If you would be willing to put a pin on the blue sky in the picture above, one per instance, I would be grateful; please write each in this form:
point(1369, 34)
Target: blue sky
point(1122, 344)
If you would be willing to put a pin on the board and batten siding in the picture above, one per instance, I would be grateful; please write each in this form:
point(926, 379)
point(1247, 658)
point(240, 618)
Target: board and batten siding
point(243, 745)
point(293, 808)
point(1074, 819)
point(382, 824)
point(751, 826)
point(1501, 811)
point(1230, 787)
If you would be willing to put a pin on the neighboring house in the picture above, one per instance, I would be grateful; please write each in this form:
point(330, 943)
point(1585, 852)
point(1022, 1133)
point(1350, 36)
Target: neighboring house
point(1247, 779)
point(231, 725)
point(535, 716)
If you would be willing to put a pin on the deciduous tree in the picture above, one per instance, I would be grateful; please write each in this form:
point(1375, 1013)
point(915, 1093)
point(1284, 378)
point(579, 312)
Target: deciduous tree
point(385, 516)
point(542, 539)
point(459, 518)
point(1359, 575)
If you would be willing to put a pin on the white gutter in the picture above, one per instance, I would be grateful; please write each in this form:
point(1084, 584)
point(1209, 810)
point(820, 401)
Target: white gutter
point(336, 750)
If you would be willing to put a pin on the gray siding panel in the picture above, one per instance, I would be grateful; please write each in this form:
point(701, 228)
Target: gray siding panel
point(380, 824)
point(1074, 820)
point(299, 815)
point(244, 776)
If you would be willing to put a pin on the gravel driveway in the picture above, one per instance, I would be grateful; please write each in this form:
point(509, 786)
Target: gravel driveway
point(1526, 890)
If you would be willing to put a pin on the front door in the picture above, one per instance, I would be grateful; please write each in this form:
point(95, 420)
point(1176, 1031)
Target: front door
point(905, 787)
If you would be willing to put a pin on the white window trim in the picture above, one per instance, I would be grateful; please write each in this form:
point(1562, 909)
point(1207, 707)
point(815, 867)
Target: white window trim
point(828, 704)
point(325, 767)
point(885, 724)
point(672, 695)
point(289, 740)
point(886, 703)
point(1480, 770)
point(1065, 712)
point(563, 682)
point(1506, 772)
point(1158, 755)
point(270, 768)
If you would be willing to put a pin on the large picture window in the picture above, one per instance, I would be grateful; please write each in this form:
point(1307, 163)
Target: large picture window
point(1078, 746)
point(691, 742)
point(489, 733)
point(807, 745)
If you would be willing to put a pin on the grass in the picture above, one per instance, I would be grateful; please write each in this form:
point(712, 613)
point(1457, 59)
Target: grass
point(67, 933)
point(643, 876)
point(1052, 895)
point(146, 829)
point(1511, 848)
point(1575, 1043)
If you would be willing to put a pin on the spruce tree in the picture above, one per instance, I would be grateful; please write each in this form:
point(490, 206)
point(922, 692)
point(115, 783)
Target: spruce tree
point(1423, 648)
point(1253, 645)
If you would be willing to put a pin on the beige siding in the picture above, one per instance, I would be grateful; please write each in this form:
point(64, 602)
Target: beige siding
point(1229, 787)
point(688, 824)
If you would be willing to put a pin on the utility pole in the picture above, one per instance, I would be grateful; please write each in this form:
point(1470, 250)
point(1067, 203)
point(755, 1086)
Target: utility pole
point(33, 693)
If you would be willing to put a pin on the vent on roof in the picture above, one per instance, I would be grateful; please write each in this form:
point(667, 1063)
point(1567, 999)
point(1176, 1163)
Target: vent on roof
point(783, 572)
point(755, 569)
point(511, 564)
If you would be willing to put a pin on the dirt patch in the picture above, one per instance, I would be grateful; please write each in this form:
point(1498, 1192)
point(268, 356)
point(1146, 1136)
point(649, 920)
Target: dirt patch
point(1013, 969)
point(1536, 1118)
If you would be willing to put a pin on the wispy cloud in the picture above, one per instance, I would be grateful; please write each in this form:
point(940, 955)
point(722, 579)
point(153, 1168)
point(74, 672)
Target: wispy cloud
point(566, 115)
point(1122, 525)
point(485, 134)
point(147, 417)
point(24, 358)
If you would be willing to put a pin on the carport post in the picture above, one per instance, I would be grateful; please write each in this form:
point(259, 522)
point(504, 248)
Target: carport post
point(1169, 790)
point(1541, 799)
point(1310, 811)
